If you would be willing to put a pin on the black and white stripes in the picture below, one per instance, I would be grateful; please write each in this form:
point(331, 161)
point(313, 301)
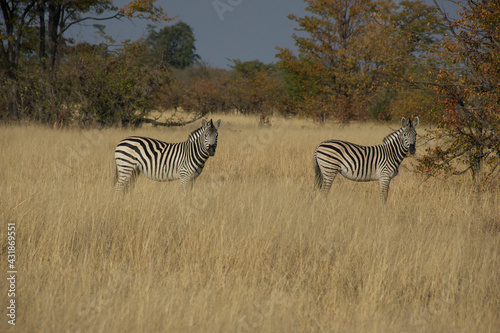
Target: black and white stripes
point(163, 161)
point(185, 161)
point(361, 163)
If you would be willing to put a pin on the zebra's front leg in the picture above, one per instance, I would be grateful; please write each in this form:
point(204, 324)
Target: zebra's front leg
point(187, 183)
point(384, 188)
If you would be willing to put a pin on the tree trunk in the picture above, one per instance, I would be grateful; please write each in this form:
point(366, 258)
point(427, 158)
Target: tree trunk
point(54, 18)
point(476, 163)
point(13, 92)
point(12, 103)
point(41, 53)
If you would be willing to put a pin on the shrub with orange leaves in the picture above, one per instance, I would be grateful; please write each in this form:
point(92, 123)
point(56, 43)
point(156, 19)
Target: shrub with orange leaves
point(468, 80)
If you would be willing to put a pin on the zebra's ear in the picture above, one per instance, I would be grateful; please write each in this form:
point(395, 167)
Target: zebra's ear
point(217, 124)
point(204, 123)
point(415, 122)
point(404, 122)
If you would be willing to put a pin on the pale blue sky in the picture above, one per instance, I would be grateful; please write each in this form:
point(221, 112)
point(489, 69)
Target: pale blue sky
point(234, 29)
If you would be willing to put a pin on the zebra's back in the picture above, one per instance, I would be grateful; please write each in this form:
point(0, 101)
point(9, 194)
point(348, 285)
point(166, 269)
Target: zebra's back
point(353, 161)
point(156, 159)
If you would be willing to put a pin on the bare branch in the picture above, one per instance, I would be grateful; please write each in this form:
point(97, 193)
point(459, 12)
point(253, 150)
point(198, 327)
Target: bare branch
point(170, 123)
point(115, 16)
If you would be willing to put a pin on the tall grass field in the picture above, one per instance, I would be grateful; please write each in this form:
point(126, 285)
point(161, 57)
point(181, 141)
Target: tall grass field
point(250, 249)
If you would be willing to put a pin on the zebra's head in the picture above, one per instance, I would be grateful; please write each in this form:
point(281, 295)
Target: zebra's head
point(210, 135)
point(409, 133)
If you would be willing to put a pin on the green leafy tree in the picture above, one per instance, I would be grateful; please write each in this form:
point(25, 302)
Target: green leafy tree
point(96, 87)
point(173, 45)
point(116, 88)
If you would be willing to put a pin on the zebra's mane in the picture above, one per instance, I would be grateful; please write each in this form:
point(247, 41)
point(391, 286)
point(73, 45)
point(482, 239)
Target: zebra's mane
point(195, 134)
point(392, 136)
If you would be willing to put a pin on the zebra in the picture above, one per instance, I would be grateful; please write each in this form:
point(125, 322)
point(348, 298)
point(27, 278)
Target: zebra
point(361, 163)
point(162, 161)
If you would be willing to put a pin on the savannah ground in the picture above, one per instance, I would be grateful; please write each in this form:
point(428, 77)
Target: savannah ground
point(250, 249)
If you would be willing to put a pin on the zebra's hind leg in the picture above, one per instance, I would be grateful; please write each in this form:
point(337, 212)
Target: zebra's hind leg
point(328, 178)
point(318, 176)
point(324, 179)
point(125, 177)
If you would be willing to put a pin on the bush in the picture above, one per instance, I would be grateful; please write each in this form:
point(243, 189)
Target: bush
point(92, 86)
point(114, 88)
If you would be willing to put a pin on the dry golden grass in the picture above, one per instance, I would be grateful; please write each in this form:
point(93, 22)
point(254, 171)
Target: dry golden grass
point(250, 250)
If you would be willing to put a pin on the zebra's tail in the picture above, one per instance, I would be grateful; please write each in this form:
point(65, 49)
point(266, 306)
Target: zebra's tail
point(115, 173)
point(318, 184)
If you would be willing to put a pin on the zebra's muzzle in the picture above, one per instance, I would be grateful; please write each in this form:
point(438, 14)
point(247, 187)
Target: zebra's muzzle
point(412, 149)
point(211, 150)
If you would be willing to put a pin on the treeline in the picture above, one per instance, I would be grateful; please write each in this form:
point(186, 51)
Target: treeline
point(356, 60)
point(352, 60)
point(96, 86)
point(49, 79)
